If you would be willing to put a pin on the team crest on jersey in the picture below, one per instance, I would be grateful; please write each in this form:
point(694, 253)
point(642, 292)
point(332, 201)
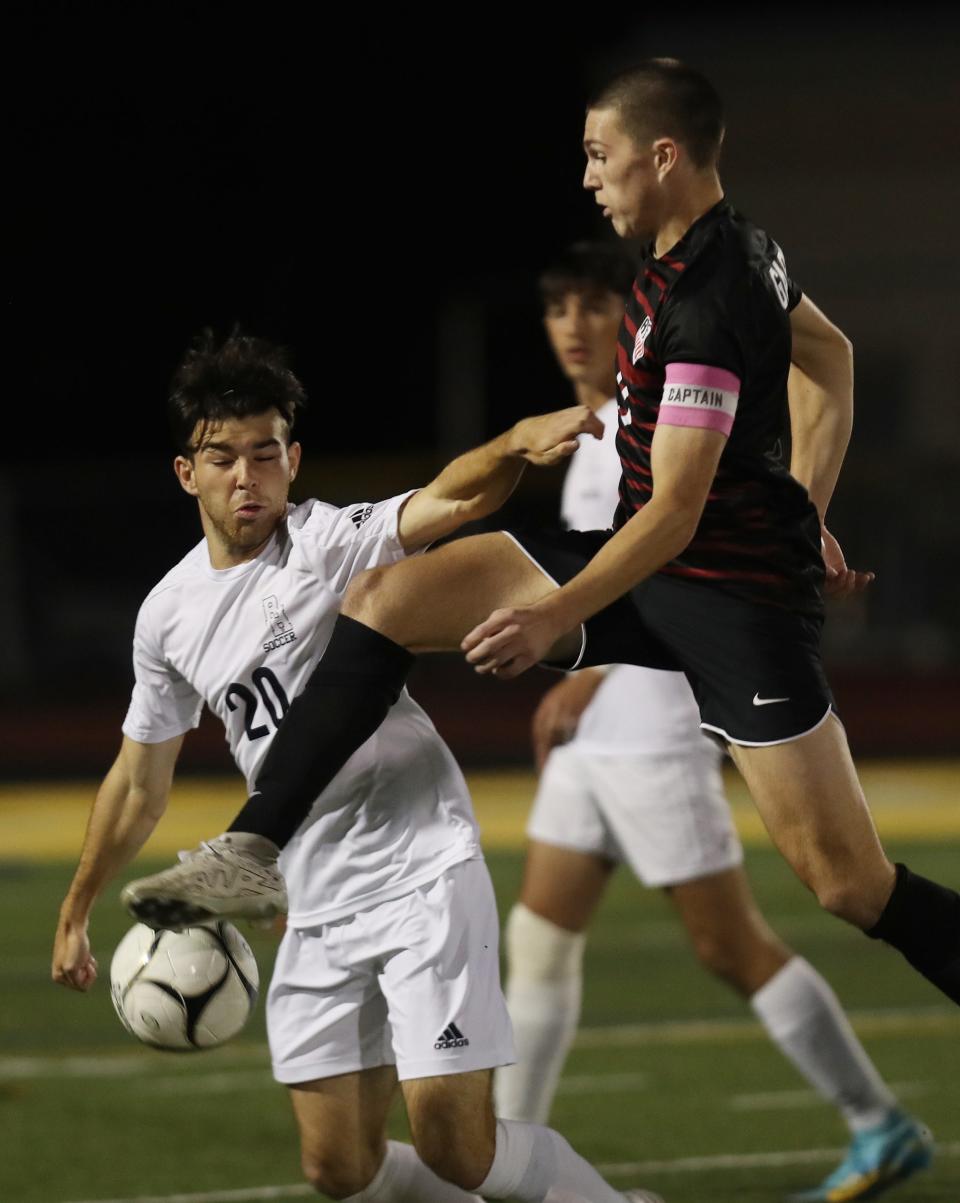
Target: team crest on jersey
point(359, 517)
point(280, 626)
point(640, 341)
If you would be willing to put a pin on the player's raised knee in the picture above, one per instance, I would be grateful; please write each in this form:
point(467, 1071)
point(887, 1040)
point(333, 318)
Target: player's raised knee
point(366, 597)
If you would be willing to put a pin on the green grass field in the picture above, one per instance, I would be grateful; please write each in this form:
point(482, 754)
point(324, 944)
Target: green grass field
point(671, 1086)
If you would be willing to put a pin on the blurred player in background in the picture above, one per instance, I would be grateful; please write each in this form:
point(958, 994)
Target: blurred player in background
point(389, 965)
point(627, 776)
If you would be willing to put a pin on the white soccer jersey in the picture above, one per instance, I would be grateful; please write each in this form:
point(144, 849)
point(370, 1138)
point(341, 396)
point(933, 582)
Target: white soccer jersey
point(244, 640)
point(635, 709)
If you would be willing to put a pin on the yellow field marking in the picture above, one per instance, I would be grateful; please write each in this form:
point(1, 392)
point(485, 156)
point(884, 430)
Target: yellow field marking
point(910, 801)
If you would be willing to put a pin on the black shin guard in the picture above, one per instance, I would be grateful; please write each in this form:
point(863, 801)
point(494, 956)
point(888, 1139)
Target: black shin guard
point(922, 920)
point(345, 700)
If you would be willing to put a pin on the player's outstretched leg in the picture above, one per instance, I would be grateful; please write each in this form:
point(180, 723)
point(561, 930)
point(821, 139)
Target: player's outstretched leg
point(810, 799)
point(426, 603)
point(803, 1017)
point(234, 875)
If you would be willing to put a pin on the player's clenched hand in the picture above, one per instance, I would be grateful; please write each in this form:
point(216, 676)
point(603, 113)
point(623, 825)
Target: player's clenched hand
point(841, 581)
point(73, 964)
point(557, 716)
point(549, 438)
point(510, 641)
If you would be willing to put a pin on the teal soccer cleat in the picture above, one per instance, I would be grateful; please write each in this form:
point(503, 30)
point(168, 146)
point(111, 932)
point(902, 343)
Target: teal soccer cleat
point(877, 1159)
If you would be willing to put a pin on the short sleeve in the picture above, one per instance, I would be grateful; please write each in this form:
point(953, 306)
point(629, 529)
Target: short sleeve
point(701, 328)
point(336, 544)
point(702, 351)
point(163, 705)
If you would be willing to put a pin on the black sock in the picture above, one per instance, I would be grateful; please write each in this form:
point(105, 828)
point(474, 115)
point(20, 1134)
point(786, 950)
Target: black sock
point(922, 920)
point(347, 697)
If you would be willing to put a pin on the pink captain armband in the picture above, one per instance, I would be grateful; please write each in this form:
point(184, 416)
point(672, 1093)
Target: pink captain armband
point(696, 394)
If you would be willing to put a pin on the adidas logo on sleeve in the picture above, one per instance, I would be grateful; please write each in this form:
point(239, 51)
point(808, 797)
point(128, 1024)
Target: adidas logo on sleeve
point(451, 1037)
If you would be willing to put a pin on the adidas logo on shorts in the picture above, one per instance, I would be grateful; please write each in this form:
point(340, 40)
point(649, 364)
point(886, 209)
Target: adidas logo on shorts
point(451, 1037)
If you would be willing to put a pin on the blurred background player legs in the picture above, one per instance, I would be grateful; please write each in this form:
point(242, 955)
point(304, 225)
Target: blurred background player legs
point(638, 782)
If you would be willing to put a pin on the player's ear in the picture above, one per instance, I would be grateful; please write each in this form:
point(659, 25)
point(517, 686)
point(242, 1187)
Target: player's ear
point(665, 156)
point(183, 466)
point(293, 457)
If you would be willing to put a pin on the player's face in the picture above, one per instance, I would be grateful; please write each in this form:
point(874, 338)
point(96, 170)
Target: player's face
point(582, 328)
point(240, 474)
point(622, 175)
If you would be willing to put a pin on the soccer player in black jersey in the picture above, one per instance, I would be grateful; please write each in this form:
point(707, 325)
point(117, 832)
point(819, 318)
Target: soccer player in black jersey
point(719, 555)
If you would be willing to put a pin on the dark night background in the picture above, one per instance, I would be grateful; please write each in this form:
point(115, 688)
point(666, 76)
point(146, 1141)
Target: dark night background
point(379, 194)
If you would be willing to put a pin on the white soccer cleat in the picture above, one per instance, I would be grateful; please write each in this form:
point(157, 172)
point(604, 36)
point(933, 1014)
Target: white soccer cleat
point(234, 876)
point(642, 1196)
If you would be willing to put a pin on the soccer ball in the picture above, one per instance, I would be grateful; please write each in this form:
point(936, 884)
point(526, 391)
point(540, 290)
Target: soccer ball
point(184, 990)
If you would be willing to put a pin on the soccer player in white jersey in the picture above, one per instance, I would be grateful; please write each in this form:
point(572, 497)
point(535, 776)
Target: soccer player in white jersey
point(389, 965)
point(628, 777)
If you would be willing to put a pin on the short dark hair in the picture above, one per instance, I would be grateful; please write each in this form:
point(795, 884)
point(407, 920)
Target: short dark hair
point(588, 267)
point(664, 97)
point(237, 377)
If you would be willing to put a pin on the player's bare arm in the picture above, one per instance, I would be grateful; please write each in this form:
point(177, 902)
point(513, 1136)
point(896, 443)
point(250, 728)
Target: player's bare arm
point(684, 461)
point(820, 394)
point(821, 401)
point(478, 482)
point(127, 808)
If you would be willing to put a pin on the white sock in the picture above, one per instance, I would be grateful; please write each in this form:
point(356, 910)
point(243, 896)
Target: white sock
point(805, 1019)
point(536, 1165)
point(403, 1178)
point(543, 991)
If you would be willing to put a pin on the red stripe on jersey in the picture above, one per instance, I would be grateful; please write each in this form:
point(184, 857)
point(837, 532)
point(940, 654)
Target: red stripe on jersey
point(643, 302)
point(749, 551)
point(627, 462)
point(632, 478)
point(767, 578)
point(635, 466)
point(637, 377)
point(650, 274)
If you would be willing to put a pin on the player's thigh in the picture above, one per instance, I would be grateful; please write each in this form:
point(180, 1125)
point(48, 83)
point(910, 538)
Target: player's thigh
point(452, 1124)
point(342, 1124)
point(727, 930)
point(811, 802)
point(429, 602)
point(326, 1013)
point(564, 885)
point(441, 976)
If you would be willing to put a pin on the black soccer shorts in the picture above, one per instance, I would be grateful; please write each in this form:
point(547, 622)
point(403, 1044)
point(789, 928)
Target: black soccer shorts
point(755, 669)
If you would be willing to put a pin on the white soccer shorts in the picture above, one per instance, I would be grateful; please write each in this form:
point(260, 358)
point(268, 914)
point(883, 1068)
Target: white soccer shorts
point(663, 814)
point(413, 982)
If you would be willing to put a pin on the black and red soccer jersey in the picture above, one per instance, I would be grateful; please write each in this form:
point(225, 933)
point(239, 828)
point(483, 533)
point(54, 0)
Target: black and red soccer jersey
point(705, 341)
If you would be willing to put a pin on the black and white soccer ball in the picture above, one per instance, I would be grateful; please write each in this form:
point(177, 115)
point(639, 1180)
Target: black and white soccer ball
point(184, 990)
